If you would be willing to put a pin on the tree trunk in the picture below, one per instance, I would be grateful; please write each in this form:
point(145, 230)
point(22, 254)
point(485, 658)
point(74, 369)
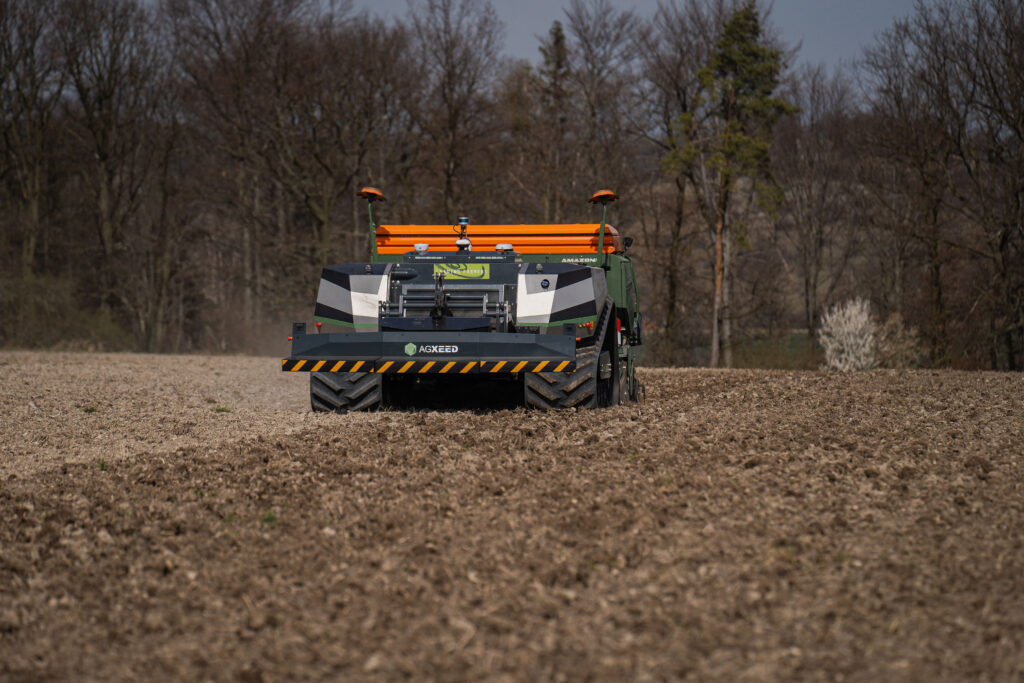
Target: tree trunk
point(31, 238)
point(1009, 318)
point(247, 247)
point(938, 333)
point(451, 163)
point(351, 248)
point(557, 218)
point(257, 262)
point(808, 307)
point(812, 270)
point(449, 192)
point(673, 265)
point(727, 257)
point(105, 224)
point(246, 271)
point(717, 307)
point(716, 317)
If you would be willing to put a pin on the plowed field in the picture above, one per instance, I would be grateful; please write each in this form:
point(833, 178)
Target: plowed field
point(188, 518)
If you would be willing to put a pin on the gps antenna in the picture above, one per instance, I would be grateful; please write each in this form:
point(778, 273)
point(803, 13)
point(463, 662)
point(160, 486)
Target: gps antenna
point(371, 195)
point(604, 198)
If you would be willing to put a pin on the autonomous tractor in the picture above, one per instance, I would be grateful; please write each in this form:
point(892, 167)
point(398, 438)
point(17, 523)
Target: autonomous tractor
point(547, 314)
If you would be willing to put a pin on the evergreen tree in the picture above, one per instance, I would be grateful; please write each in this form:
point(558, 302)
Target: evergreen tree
point(729, 141)
point(556, 103)
point(554, 69)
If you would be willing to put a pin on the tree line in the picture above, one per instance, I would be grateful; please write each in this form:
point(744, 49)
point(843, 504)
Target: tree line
point(173, 175)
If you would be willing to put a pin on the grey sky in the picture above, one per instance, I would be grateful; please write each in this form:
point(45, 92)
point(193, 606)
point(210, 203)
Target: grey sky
point(830, 31)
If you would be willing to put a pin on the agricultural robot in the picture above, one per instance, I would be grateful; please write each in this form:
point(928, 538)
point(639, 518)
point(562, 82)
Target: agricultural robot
point(547, 311)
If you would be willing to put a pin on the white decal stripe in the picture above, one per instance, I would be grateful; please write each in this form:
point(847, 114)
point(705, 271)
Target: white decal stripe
point(533, 308)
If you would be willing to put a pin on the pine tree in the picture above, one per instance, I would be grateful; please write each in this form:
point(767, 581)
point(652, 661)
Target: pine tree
point(729, 140)
point(556, 103)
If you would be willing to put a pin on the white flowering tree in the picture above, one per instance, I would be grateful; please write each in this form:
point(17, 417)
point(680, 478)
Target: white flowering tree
point(847, 333)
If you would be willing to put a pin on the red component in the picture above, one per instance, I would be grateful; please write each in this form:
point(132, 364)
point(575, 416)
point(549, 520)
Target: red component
point(318, 324)
point(590, 325)
point(289, 338)
point(618, 325)
point(579, 338)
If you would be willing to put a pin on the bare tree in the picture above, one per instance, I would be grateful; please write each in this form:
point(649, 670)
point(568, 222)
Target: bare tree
point(671, 50)
point(541, 134)
point(113, 69)
point(949, 76)
point(812, 164)
point(458, 45)
point(907, 140)
point(156, 252)
point(975, 68)
point(31, 85)
point(601, 62)
point(226, 50)
point(333, 94)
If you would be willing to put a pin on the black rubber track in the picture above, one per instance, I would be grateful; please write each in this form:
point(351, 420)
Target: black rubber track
point(552, 390)
point(343, 391)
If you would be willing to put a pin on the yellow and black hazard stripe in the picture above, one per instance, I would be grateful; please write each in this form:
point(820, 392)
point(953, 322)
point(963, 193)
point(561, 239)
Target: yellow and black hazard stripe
point(427, 367)
point(423, 367)
point(461, 367)
point(517, 366)
point(299, 365)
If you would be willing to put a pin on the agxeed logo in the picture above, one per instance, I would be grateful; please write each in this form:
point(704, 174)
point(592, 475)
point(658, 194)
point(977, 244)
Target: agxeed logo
point(411, 350)
point(439, 349)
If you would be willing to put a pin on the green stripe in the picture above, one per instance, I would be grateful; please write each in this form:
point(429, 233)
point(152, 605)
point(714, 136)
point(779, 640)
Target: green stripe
point(592, 318)
point(358, 326)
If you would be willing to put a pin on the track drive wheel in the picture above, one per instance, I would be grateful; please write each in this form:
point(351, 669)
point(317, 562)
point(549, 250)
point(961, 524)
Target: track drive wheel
point(343, 391)
point(589, 386)
point(551, 390)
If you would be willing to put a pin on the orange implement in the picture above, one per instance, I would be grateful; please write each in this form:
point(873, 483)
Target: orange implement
point(576, 238)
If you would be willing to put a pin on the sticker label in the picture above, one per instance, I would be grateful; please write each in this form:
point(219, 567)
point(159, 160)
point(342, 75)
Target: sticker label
point(464, 271)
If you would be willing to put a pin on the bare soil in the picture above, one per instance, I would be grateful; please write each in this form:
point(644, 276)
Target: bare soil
point(188, 518)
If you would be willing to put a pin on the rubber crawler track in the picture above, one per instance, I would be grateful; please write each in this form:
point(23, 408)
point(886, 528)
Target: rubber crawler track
point(342, 391)
point(552, 390)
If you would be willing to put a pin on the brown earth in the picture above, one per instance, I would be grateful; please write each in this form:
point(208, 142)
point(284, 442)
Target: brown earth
point(188, 518)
